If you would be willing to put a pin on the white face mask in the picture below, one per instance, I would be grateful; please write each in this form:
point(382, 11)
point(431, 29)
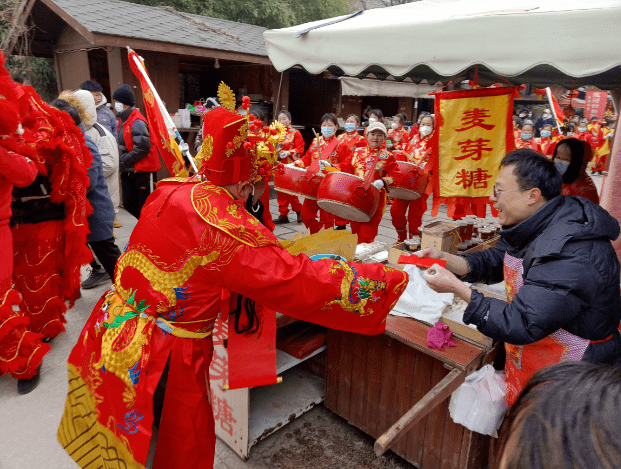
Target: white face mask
point(582, 129)
point(394, 126)
point(118, 106)
point(425, 130)
point(561, 165)
point(372, 120)
point(547, 116)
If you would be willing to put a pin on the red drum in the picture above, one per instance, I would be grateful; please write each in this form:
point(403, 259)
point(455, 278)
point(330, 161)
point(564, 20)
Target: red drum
point(292, 180)
point(412, 184)
point(342, 195)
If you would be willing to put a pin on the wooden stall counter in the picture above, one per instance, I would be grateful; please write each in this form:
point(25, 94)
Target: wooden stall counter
point(393, 387)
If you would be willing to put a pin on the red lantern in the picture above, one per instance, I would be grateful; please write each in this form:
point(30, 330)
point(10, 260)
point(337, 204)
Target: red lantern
point(246, 100)
point(230, 146)
point(247, 145)
point(266, 129)
point(251, 117)
point(273, 131)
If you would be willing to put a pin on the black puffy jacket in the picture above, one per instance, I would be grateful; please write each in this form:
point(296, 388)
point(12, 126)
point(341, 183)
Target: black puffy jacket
point(571, 279)
point(140, 139)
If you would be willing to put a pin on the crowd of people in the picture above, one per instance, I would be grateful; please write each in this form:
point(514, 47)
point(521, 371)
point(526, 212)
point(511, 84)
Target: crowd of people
point(202, 248)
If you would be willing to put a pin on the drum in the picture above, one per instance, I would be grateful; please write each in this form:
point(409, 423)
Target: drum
point(292, 180)
point(412, 184)
point(342, 195)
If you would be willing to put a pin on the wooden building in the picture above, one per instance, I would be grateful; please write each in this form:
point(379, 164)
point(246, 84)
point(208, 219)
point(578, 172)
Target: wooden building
point(186, 55)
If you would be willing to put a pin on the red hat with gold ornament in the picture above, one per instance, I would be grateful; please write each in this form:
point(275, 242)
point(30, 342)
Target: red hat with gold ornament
point(236, 147)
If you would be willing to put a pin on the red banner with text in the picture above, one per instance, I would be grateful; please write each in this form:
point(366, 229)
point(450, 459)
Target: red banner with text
point(473, 132)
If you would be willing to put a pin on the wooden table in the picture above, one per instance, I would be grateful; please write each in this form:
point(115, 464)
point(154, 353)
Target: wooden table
point(372, 381)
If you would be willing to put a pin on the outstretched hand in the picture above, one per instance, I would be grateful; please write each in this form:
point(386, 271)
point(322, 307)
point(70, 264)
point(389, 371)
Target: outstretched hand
point(443, 281)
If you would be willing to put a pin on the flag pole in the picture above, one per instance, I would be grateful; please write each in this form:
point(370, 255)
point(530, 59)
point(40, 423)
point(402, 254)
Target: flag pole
point(183, 147)
point(551, 101)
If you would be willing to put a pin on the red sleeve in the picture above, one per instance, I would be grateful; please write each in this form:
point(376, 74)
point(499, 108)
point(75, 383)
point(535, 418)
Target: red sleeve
point(307, 158)
point(17, 169)
point(298, 144)
point(393, 173)
point(346, 164)
point(349, 297)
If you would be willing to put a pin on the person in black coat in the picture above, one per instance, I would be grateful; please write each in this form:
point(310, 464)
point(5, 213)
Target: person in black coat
point(560, 270)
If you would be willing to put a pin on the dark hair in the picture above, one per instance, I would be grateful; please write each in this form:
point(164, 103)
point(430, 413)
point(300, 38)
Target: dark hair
point(533, 170)
point(566, 416)
point(402, 117)
point(257, 111)
point(571, 126)
point(63, 105)
point(578, 150)
point(594, 118)
point(355, 117)
point(377, 112)
point(548, 125)
point(285, 112)
point(330, 117)
point(90, 85)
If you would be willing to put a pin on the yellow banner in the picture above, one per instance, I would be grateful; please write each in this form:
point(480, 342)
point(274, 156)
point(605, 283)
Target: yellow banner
point(472, 142)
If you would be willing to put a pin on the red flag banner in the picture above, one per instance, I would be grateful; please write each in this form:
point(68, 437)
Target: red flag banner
point(595, 104)
point(165, 143)
point(473, 132)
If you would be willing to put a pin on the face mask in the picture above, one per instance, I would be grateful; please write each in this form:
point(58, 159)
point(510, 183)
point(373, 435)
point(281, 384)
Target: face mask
point(569, 134)
point(582, 129)
point(546, 116)
point(372, 120)
point(522, 115)
point(394, 126)
point(545, 133)
point(526, 136)
point(561, 166)
point(418, 121)
point(349, 127)
point(118, 106)
point(425, 130)
point(327, 131)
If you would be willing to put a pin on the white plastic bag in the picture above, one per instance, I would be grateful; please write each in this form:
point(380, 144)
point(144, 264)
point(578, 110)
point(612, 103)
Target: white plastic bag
point(419, 301)
point(479, 404)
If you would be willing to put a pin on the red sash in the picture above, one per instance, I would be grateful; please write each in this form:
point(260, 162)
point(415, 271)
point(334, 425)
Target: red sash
point(151, 162)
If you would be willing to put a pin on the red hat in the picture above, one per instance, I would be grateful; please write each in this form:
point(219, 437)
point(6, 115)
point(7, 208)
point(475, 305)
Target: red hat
point(230, 154)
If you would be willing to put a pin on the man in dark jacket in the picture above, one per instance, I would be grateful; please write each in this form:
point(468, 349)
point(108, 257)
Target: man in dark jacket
point(138, 157)
point(560, 270)
point(100, 239)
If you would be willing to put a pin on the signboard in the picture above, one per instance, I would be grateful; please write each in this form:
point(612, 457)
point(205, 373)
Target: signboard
point(595, 104)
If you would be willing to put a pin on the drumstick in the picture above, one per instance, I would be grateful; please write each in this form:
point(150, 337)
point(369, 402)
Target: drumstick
point(318, 144)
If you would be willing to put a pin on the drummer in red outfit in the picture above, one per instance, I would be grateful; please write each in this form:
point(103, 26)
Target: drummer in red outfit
point(547, 142)
point(399, 136)
point(526, 138)
point(331, 150)
point(418, 152)
point(294, 151)
point(359, 162)
point(351, 138)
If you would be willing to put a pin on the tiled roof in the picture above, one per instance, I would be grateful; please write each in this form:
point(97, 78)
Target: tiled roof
point(119, 18)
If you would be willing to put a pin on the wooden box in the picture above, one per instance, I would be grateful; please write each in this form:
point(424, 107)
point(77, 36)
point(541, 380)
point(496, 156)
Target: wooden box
point(441, 235)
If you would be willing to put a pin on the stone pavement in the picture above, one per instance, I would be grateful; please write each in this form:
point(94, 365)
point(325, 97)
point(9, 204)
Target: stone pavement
point(318, 439)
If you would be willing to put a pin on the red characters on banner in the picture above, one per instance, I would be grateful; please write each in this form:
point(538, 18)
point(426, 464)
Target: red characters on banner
point(223, 413)
point(470, 148)
point(475, 118)
point(219, 367)
point(477, 178)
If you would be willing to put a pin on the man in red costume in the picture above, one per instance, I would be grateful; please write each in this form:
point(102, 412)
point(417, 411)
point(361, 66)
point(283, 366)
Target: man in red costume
point(21, 350)
point(292, 150)
point(194, 248)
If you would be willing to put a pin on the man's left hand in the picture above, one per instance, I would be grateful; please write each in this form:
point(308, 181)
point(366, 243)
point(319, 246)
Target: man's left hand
point(443, 281)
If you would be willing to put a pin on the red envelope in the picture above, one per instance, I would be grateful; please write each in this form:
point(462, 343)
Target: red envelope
point(421, 261)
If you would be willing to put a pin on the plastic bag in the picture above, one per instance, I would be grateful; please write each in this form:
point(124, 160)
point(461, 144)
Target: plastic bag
point(480, 403)
point(419, 301)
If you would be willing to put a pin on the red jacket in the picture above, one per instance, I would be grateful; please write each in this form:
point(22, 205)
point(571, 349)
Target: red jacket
point(151, 162)
point(332, 150)
point(15, 170)
point(296, 142)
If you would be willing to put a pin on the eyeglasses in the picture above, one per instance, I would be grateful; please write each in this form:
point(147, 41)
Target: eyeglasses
point(497, 192)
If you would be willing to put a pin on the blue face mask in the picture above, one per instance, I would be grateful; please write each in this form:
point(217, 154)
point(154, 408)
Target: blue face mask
point(327, 131)
point(527, 136)
point(349, 127)
point(569, 134)
point(561, 165)
point(545, 133)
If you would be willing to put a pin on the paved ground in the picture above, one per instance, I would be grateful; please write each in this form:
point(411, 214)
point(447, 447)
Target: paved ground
point(319, 439)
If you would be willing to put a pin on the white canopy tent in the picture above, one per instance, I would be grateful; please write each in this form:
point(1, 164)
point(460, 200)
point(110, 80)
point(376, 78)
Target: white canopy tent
point(542, 42)
point(357, 87)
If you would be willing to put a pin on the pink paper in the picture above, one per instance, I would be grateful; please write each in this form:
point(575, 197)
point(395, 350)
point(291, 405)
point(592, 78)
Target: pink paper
point(440, 336)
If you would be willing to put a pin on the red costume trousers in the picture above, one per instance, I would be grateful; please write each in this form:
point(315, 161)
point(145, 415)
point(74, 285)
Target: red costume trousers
point(283, 203)
point(414, 217)
point(21, 350)
point(309, 216)
point(368, 231)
